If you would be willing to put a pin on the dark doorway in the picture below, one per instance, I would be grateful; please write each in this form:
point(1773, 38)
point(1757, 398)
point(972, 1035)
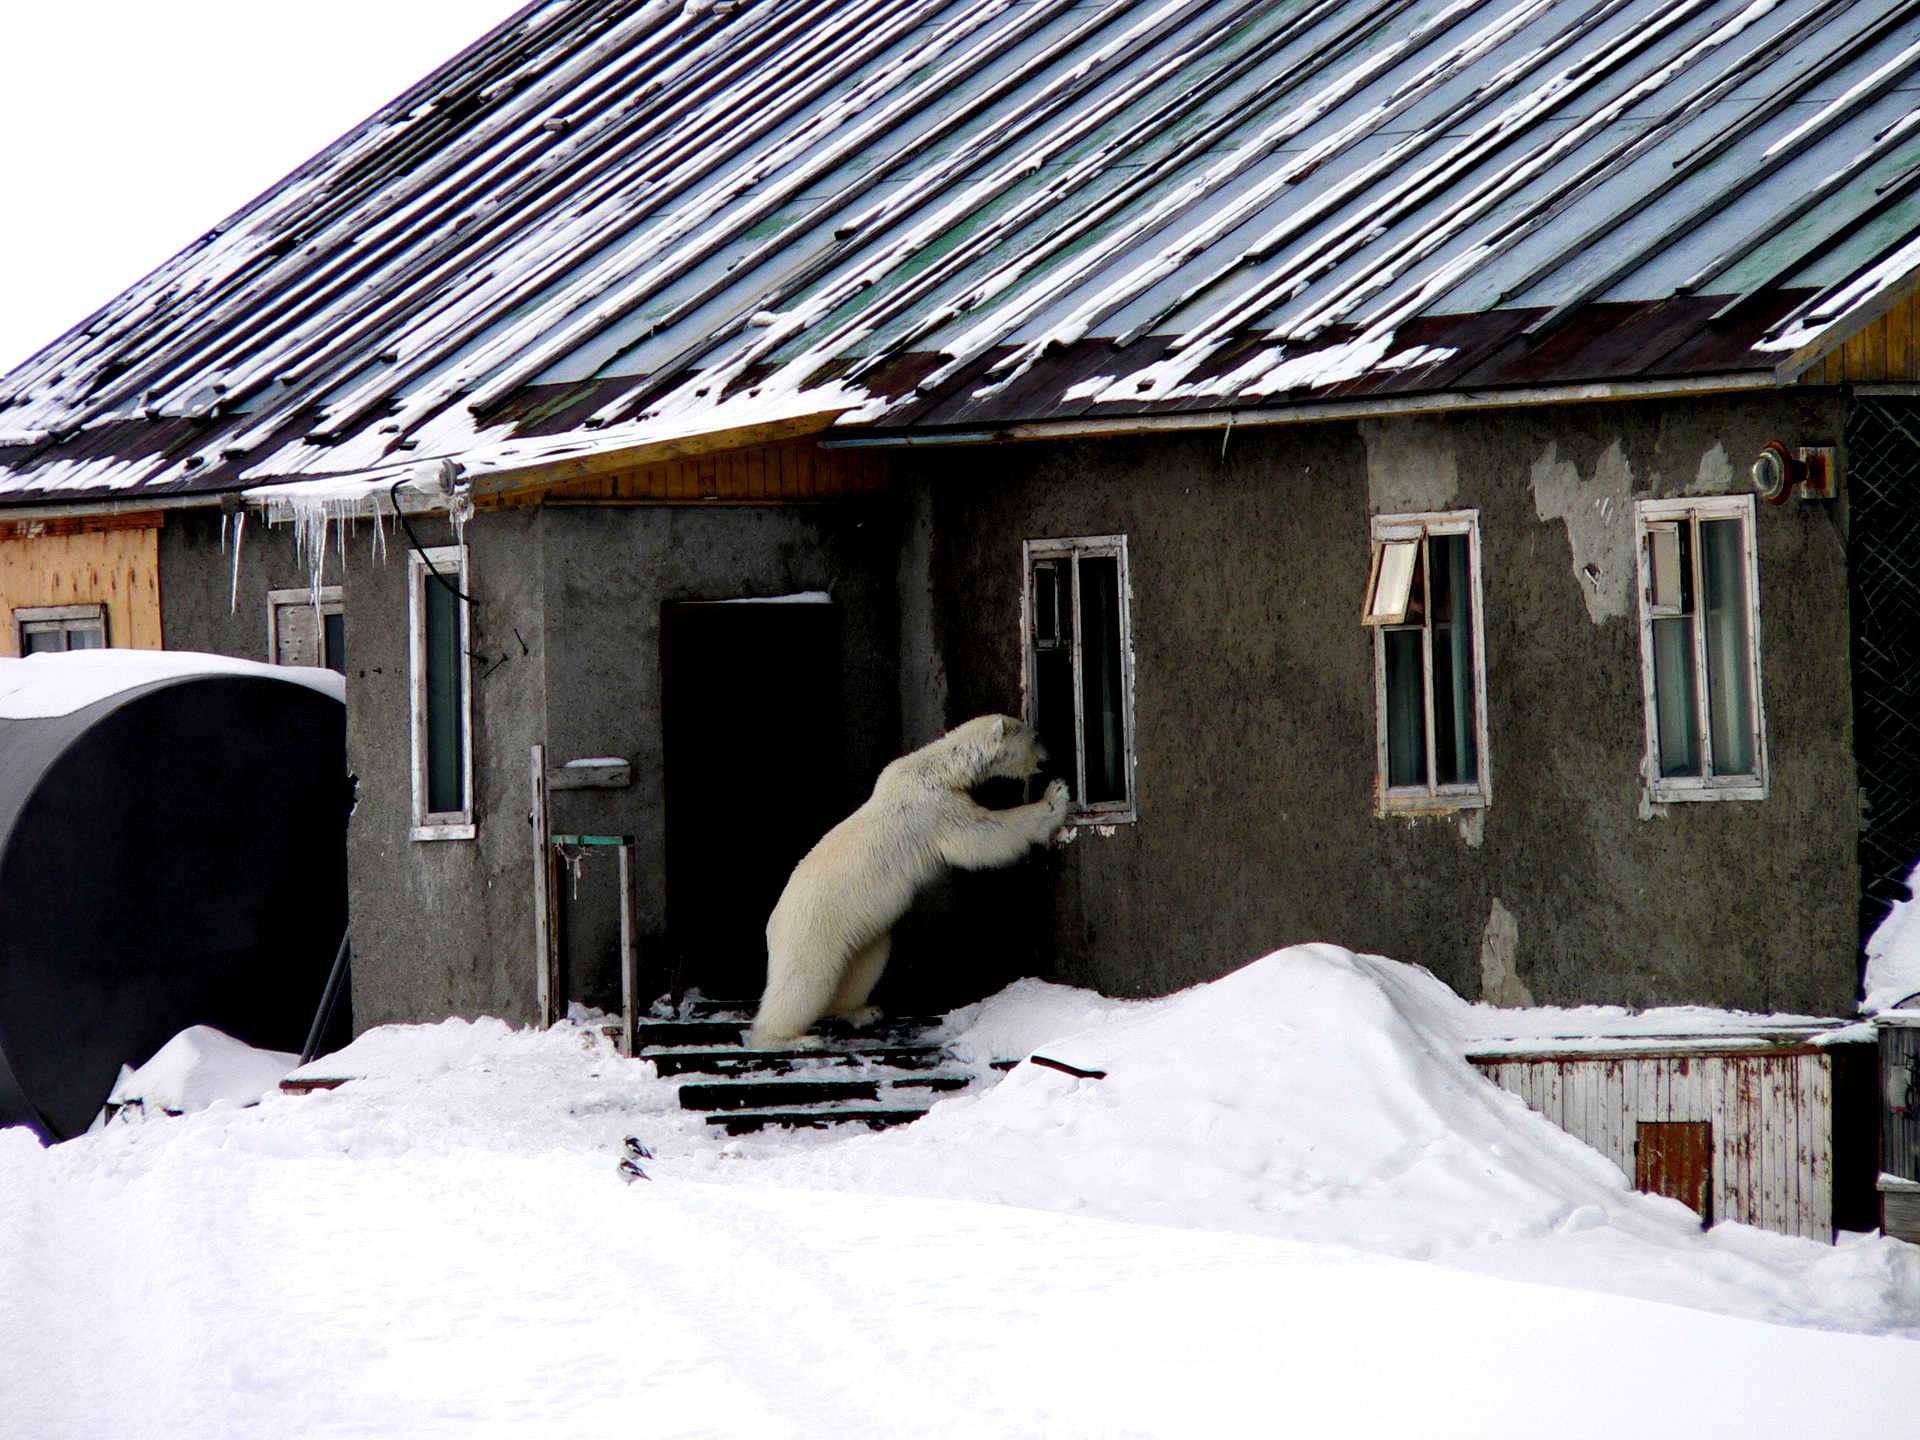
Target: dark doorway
point(755, 774)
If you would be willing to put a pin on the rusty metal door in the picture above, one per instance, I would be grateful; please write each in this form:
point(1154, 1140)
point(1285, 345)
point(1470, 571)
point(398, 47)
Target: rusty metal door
point(1675, 1158)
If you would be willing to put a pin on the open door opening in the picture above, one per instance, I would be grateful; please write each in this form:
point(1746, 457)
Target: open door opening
point(755, 775)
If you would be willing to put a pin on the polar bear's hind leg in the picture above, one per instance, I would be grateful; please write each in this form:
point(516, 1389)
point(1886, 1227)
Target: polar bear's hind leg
point(863, 973)
point(792, 1003)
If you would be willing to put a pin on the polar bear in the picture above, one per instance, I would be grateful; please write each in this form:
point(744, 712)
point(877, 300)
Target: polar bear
point(830, 933)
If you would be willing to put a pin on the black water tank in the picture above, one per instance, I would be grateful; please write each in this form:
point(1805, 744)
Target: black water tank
point(171, 855)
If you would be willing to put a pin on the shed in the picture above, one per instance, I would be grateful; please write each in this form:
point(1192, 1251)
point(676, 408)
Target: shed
point(172, 852)
point(1768, 1127)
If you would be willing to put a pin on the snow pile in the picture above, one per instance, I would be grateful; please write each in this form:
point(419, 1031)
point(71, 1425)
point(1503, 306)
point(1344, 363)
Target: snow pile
point(41, 686)
point(199, 1067)
point(442, 1246)
point(1314, 1093)
point(1893, 954)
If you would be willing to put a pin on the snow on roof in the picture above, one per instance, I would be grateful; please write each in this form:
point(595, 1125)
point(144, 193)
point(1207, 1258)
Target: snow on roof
point(42, 686)
point(610, 211)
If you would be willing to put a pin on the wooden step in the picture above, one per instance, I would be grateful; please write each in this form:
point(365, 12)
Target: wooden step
point(785, 1062)
point(745, 1122)
point(673, 1034)
point(784, 1094)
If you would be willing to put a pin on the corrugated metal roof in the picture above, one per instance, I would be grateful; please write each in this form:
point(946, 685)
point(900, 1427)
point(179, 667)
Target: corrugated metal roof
point(951, 212)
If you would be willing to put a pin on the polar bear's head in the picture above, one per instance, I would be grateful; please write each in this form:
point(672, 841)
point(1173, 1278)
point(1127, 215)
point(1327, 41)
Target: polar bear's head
point(997, 747)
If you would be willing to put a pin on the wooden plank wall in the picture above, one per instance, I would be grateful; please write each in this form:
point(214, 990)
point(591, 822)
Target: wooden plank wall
point(1886, 350)
point(112, 560)
point(1772, 1117)
point(791, 472)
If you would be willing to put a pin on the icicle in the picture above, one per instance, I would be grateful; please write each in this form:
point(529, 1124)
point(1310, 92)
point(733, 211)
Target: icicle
point(239, 534)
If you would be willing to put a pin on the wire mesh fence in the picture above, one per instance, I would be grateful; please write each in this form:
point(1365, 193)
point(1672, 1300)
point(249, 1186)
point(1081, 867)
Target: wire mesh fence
point(1883, 485)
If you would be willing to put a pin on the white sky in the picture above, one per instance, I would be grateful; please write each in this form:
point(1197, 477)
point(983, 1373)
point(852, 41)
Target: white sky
point(133, 126)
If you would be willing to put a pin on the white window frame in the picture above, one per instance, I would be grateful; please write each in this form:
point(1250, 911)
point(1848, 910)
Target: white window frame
point(1705, 786)
point(1430, 798)
point(28, 619)
point(1074, 549)
point(332, 601)
point(451, 562)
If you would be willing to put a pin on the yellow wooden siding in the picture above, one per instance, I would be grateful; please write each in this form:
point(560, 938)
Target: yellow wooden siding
point(1888, 350)
point(111, 561)
point(787, 473)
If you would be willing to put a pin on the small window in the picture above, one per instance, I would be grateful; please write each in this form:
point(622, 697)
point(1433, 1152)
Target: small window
point(1430, 683)
point(299, 632)
point(442, 689)
point(50, 629)
point(1700, 649)
point(1079, 669)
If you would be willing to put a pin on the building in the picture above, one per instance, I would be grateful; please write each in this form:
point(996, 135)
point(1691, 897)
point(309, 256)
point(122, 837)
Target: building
point(1340, 427)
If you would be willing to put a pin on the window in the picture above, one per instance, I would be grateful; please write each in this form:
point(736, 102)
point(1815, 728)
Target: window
point(49, 629)
point(442, 688)
point(1700, 649)
point(301, 633)
point(1079, 669)
point(1429, 667)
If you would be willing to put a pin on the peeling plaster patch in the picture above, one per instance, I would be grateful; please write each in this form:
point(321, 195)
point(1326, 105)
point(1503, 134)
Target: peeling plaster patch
point(1473, 827)
point(1500, 982)
point(1410, 466)
point(1598, 525)
point(1715, 475)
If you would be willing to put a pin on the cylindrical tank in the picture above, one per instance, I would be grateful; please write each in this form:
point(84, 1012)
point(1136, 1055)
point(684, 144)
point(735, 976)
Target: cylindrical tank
point(173, 854)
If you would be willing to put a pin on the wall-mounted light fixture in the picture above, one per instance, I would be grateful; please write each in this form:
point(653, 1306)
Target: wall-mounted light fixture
point(1811, 472)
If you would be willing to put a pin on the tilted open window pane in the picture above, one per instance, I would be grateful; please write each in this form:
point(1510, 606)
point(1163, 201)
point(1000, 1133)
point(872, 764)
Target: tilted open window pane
point(333, 634)
point(1079, 668)
point(1393, 582)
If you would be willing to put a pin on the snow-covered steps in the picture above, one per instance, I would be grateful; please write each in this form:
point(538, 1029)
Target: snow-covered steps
point(881, 1076)
point(874, 1117)
point(786, 1094)
point(788, 1062)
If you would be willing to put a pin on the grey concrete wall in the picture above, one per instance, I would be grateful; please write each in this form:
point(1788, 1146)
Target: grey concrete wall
point(201, 608)
point(445, 927)
point(1255, 709)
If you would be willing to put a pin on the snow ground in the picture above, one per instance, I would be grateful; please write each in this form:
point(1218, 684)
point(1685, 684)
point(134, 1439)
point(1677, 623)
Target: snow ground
point(1289, 1208)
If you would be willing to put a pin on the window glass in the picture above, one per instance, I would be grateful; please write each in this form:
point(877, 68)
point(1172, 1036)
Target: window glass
point(1676, 700)
point(334, 634)
point(1103, 707)
point(1079, 667)
point(1723, 574)
point(1406, 710)
point(446, 767)
point(1455, 749)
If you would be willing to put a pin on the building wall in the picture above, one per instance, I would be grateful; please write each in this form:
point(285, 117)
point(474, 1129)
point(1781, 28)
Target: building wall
point(1255, 710)
point(110, 561)
point(212, 606)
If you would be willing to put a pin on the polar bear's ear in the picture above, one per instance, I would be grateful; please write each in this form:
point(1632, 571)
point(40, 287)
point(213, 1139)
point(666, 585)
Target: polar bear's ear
point(997, 731)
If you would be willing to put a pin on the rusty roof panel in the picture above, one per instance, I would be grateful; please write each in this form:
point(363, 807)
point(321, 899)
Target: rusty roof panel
point(966, 212)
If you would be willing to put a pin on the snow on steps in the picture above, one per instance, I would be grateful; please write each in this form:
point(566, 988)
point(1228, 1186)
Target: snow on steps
point(751, 1090)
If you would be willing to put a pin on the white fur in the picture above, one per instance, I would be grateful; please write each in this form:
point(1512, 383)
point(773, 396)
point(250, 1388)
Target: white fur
point(829, 935)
